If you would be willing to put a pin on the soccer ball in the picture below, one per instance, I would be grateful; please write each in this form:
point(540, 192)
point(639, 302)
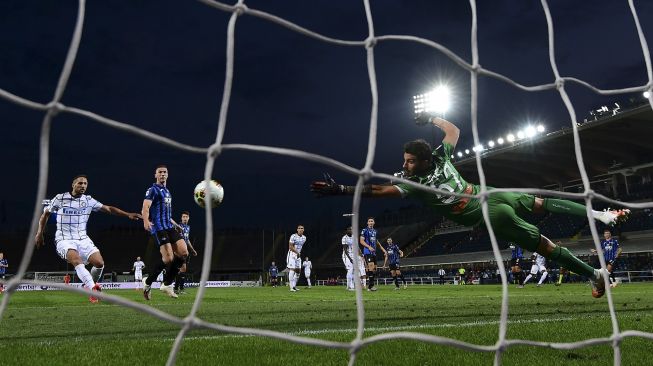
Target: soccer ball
point(201, 193)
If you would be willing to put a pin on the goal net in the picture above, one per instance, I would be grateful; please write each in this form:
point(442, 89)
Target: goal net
point(364, 174)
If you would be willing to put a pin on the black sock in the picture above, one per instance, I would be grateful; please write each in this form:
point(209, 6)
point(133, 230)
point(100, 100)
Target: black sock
point(172, 270)
point(614, 280)
point(395, 280)
point(181, 278)
point(521, 278)
point(403, 280)
point(370, 280)
point(155, 273)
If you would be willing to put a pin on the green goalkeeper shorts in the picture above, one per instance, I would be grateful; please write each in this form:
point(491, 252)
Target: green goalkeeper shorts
point(505, 210)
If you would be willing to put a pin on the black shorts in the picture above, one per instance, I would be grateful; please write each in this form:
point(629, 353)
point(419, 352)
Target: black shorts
point(515, 262)
point(394, 266)
point(167, 236)
point(612, 262)
point(370, 258)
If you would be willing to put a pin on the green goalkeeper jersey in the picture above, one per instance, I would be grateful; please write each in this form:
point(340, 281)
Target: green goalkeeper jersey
point(443, 176)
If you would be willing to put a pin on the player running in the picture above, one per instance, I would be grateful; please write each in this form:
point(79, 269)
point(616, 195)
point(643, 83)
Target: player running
point(611, 251)
point(538, 266)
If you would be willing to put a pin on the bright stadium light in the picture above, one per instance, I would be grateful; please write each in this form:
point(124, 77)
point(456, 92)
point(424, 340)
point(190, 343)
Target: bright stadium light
point(437, 100)
point(520, 135)
point(530, 131)
point(646, 94)
point(500, 140)
point(467, 151)
point(510, 137)
point(460, 154)
point(490, 144)
point(540, 128)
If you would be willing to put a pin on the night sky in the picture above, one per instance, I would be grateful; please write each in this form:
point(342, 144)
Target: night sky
point(160, 65)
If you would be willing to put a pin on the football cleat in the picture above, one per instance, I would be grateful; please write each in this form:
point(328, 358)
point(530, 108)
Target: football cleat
point(613, 217)
point(598, 285)
point(147, 290)
point(168, 290)
point(94, 299)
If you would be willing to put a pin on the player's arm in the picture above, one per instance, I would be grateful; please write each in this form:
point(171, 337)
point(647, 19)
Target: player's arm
point(378, 244)
point(192, 249)
point(42, 225)
point(618, 252)
point(112, 210)
point(330, 188)
point(451, 132)
point(291, 247)
point(401, 254)
point(145, 214)
point(361, 240)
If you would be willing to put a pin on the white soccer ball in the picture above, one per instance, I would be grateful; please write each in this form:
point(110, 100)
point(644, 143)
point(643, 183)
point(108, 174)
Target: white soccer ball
point(201, 193)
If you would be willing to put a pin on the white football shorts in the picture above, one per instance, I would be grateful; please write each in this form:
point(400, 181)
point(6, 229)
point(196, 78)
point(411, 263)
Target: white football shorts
point(293, 261)
point(84, 247)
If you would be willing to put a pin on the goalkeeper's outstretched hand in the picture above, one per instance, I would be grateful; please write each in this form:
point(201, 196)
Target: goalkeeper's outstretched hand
point(328, 187)
point(423, 118)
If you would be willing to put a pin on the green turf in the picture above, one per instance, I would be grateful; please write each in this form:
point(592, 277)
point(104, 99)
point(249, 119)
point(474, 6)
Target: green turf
point(60, 328)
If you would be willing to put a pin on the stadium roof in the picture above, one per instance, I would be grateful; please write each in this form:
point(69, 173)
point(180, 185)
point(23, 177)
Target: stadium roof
point(619, 143)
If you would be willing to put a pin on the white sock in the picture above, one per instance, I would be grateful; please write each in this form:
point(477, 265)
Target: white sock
point(350, 278)
point(97, 273)
point(528, 278)
point(85, 276)
point(309, 281)
point(364, 282)
point(543, 277)
point(292, 279)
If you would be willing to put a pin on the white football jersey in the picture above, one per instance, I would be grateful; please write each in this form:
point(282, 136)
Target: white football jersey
point(349, 242)
point(298, 241)
point(307, 266)
point(540, 260)
point(138, 266)
point(72, 215)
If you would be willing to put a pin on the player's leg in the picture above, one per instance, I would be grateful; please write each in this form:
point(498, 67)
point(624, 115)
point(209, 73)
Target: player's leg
point(179, 280)
point(308, 277)
point(610, 267)
point(371, 269)
point(532, 273)
point(554, 205)
point(167, 256)
point(68, 250)
point(180, 254)
point(544, 273)
point(97, 261)
point(349, 267)
point(509, 226)
point(393, 273)
point(401, 277)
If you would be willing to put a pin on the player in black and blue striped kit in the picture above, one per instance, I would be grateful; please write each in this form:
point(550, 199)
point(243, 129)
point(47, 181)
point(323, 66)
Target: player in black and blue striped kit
point(611, 251)
point(157, 219)
point(517, 255)
point(392, 256)
point(369, 243)
point(185, 233)
point(3, 270)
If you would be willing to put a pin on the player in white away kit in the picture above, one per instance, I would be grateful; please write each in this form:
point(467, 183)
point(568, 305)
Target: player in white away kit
point(539, 265)
point(294, 257)
point(138, 271)
point(348, 260)
point(73, 244)
point(307, 271)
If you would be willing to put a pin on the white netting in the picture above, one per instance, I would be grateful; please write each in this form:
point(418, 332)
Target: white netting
point(364, 174)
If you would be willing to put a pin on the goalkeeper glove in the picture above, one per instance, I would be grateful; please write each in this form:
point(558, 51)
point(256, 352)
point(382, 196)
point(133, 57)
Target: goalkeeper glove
point(328, 187)
point(423, 118)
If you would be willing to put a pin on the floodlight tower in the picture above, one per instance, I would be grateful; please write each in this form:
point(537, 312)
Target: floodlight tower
point(435, 102)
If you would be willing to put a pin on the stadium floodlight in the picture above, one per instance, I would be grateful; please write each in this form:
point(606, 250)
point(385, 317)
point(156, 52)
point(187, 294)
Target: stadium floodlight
point(530, 131)
point(436, 101)
point(460, 154)
point(520, 135)
point(510, 137)
point(467, 151)
point(646, 94)
point(540, 128)
point(500, 140)
point(490, 144)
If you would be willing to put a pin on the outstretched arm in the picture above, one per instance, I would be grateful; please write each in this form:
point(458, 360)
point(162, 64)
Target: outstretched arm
point(111, 210)
point(330, 188)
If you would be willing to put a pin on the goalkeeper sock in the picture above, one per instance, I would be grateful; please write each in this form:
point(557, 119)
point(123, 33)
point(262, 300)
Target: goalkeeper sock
point(564, 206)
point(97, 273)
point(85, 276)
point(563, 256)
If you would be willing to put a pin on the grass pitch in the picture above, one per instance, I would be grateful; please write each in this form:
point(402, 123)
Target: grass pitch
point(60, 328)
